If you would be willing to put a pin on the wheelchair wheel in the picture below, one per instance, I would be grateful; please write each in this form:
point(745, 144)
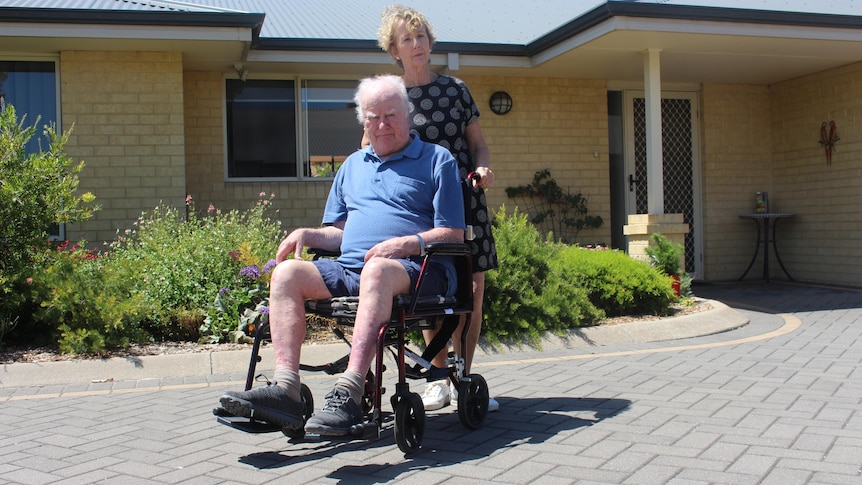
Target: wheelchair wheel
point(307, 411)
point(473, 401)
point(409, 423)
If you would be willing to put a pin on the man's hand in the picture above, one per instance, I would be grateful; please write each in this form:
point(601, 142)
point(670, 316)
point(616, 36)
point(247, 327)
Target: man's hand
point(395, 248)
point(328, 237)
point(294, 243)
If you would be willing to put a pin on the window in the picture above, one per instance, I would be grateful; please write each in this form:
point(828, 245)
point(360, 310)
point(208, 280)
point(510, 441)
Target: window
point(31, 87)
point(264, 139)
point(261, 123)
point(329, 118)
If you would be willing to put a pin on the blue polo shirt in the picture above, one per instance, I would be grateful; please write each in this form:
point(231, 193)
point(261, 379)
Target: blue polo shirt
point(411, 192)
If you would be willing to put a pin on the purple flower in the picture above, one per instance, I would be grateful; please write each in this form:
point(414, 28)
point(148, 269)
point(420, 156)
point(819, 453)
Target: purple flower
point(223, 291)
point(264, 310)
point(250, 272)
point(268, 267)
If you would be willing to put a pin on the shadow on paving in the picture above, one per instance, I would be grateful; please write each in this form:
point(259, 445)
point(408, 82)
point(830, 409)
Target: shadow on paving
point(446, 442)
point(780, 297)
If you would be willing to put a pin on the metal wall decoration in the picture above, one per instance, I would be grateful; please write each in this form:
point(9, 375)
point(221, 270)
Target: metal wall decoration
point(828, 137)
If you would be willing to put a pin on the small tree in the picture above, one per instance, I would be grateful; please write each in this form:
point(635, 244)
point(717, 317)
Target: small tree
point(554, 210)
point(36, 190)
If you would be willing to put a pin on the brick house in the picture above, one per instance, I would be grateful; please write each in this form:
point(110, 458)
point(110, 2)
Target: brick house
point(225, 99)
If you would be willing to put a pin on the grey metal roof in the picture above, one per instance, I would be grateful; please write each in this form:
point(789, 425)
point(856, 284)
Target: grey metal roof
point(496, 22)
point(740, 41)
point(146, 12)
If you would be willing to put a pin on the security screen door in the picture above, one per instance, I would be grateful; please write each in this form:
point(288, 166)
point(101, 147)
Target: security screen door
point(681, 164)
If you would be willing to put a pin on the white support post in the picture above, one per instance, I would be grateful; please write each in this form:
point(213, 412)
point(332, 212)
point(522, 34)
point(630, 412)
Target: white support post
point(654, 161)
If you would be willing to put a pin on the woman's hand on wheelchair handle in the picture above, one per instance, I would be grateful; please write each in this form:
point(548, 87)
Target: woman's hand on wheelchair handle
point(482, 177)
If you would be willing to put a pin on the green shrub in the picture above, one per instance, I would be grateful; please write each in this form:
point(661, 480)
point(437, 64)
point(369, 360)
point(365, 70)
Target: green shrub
point(36, 191)
point(616, 283)
point(93, 309)
point(529, 294)
point(545, 287)
point(664, 254)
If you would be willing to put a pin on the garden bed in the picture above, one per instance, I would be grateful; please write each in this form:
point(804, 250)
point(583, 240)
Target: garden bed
point(318, 333)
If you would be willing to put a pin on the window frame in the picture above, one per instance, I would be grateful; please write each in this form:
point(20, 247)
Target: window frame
point(300, 131)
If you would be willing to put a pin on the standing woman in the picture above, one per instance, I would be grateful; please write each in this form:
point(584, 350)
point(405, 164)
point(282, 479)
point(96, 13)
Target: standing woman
point(443, 112)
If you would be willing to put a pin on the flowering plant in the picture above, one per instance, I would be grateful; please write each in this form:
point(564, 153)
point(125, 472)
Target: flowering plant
point(237, 312)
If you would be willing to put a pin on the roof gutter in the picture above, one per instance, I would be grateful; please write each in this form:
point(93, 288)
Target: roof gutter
point(370, 46)
point(618, 8)
point(253, 21)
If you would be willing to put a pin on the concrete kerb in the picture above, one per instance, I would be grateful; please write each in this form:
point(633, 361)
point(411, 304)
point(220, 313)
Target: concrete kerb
point(720, 318)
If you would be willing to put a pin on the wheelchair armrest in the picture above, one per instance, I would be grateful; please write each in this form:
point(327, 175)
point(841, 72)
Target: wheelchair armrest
point(323, 253)
point(441, 248)
point(448, 249)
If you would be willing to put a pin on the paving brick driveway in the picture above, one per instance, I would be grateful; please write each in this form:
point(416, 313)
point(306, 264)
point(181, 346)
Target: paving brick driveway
point(777, 401)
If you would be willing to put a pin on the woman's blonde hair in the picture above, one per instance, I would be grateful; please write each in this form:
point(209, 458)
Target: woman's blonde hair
point(394, 14)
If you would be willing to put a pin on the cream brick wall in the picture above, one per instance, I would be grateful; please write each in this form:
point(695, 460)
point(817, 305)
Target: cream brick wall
point(824, 242)
point(126, 112)
point(765, 138)
point(736, 164)
point(555, 124)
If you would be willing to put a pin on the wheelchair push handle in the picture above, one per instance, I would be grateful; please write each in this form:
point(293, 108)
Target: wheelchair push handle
point(472, 177)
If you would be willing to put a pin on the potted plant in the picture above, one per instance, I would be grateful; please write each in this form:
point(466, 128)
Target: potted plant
point(664, 255)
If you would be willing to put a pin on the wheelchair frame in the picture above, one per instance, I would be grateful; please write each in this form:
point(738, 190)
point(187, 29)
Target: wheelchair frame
point(410, 312)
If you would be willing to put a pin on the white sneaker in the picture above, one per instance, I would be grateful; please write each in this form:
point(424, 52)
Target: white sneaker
point(493, 405)
point(436, 395)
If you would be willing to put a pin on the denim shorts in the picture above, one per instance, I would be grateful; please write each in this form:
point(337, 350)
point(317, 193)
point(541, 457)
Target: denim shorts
point(343, 281)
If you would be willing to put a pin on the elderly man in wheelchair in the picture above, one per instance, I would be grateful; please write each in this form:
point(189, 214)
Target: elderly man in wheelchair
point(388, 203)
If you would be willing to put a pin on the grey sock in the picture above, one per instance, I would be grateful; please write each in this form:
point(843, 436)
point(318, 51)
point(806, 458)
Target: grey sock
point(353, 382)
point(289, 380)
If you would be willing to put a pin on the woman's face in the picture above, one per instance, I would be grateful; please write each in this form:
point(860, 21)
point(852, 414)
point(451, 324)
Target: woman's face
point(412, 48)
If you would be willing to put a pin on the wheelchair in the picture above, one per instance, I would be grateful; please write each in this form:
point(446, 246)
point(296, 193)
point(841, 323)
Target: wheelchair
point(409, 312)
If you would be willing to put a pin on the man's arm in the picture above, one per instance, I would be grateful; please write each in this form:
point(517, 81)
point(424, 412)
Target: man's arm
point(328, 237)
point(406, 246)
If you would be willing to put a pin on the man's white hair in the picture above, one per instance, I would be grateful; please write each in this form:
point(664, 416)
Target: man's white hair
point(379, 83)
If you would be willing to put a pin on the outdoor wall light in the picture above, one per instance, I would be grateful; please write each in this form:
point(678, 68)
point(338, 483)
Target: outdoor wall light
point(500, 102)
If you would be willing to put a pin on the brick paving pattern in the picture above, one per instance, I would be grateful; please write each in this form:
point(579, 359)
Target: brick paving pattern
point(777, 401)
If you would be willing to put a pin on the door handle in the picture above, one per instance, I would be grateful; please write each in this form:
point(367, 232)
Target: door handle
point(632, 182)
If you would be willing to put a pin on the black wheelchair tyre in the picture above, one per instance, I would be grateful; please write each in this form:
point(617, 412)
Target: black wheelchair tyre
point(473, 401)
point(307, 411)
point(409, 423)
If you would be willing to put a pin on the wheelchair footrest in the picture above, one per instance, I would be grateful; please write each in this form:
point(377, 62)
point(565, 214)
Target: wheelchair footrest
point(248, 425)
point(365, 431)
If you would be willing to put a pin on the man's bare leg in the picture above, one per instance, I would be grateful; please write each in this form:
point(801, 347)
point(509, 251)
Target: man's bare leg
point(380, 281)
point(293, 282)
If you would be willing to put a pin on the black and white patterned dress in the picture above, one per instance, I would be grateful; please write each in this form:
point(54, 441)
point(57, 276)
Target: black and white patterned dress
point(439, 113)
